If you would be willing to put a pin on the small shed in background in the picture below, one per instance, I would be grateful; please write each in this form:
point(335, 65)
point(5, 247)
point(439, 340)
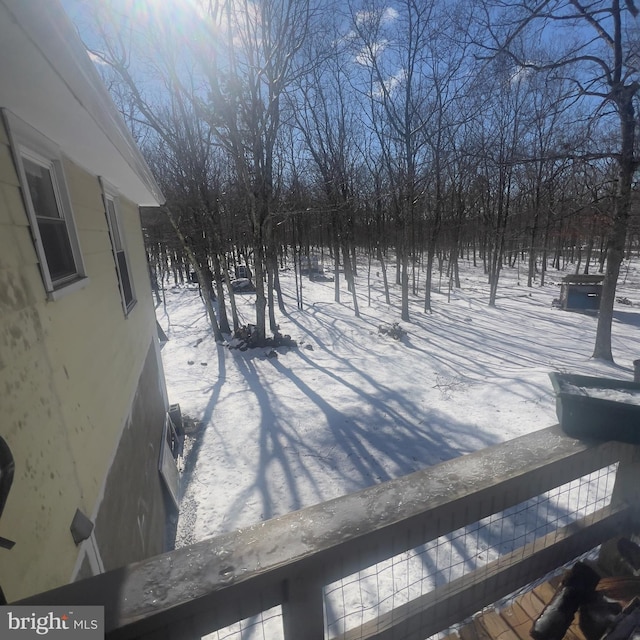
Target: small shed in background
point(581, 292)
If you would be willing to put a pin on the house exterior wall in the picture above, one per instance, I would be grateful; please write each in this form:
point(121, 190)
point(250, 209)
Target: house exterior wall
point(81, 394)
point(137, 518)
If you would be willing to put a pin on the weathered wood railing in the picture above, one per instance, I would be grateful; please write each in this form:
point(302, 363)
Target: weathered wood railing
point(288, 560)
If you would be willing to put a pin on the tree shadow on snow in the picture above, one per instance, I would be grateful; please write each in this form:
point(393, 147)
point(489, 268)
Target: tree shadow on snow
point(355, 450)
point(627, 317)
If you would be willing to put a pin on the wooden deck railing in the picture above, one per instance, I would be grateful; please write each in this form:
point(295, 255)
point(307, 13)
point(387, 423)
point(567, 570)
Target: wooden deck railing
point(288, 561)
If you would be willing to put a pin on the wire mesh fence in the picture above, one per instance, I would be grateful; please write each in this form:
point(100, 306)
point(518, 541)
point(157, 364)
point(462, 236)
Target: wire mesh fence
point(355, 604)
point(382, 589)
point(265, 626)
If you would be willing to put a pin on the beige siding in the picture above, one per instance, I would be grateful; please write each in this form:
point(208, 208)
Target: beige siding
point(68, 374)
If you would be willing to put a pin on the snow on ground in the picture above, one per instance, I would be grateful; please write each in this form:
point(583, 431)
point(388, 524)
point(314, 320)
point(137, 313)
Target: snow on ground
point(349, 407)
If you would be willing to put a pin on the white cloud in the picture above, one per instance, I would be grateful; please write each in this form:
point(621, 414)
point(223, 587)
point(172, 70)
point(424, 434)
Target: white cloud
point(383, 16)
point(389, 15)
point(390, 84)
point(367, 55)
point(521, 73)
point(364, 17)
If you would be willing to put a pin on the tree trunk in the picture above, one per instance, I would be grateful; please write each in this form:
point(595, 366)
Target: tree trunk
point(222, 309)
point(336, 268)
point(404, 314)
point(261, 301)
point(383, 267)
point(232, 297)
point(349, 276)
point(618, 233)
point(429, 277)
point(201, 278)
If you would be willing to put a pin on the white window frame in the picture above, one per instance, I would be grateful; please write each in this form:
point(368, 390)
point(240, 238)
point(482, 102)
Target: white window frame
point(118, 238)
point(27, 143)
point(89, 549)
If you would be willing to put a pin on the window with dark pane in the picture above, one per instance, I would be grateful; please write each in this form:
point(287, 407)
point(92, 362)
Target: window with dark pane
point(122, 267)
point(51, 225)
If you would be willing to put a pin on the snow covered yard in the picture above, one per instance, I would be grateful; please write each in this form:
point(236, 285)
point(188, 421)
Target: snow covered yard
point(350, 407)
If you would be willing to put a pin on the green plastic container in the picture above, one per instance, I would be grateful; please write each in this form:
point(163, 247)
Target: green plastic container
point(591, 408)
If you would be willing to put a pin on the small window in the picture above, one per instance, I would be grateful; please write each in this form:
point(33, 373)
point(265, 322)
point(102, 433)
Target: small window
point(48, 206)
point(51, 224)
point(119, 252)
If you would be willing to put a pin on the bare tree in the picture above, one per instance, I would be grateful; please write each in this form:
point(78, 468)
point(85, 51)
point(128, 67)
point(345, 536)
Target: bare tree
point(175, 140)
point(445, 68)
point(229, 81)
point(390, 43)
point(603, 69)
point(250, 60)
point(544, 165)
point(500, 127)
point(328, 125)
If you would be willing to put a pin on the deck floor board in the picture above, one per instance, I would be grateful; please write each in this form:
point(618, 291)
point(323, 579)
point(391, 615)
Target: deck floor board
point(516, 617)
point(514, 622)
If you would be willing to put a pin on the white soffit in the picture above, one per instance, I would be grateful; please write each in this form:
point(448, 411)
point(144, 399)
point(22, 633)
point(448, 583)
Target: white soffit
point(48, 80)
